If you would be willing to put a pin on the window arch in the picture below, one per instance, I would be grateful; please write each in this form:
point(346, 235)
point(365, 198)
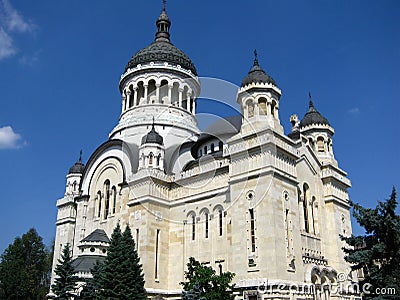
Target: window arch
point(175, 93)
point(140, 93)
point(205, 150)
point(250, 108)
point(205, 212)
point(220, 146)
point(212, 147)
point(151, 91)
point(306, 191)
point(151, 155)
point(163, 91)
point(193, 217)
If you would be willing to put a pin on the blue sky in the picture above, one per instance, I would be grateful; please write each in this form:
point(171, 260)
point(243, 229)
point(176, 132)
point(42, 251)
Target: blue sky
point(60, 63)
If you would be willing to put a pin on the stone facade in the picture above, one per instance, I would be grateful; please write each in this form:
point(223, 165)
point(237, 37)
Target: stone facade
point(250, 200)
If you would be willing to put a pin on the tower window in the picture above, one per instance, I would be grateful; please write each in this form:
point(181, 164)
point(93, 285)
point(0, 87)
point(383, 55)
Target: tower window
point(252, 230)
point(212, 147)
point(320, 144)
point(205, 150)
point(220, 146)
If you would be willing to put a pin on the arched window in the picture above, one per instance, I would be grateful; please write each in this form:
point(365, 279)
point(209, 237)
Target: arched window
point(107, 198)
point(163, 91)
point(201, 152)
point(263, 105)
point(185, 99)
point(220, 215)
point(99, 204)
point(114, 192)
point(74, 186)
point(273, 108)
point(140, 93)
point(151, 159)
point(151, 91)
point(220, 146)
point(250, 109)
point(175, 93)
point(320, 144)
point(131, 96)
point(212, 147)
point(205, 150)
point(193, 227)
point(306, 200)
point(206, 224)
point(220, 269)
point(158, 160)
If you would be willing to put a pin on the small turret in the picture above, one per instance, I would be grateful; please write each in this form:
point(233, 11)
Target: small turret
point(152, 150)
point(74, 177)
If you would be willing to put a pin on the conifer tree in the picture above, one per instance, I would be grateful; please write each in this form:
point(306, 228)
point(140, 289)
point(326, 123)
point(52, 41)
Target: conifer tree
point(122, 277)
point(65, 280)
point(203, 283)
point(378, 251)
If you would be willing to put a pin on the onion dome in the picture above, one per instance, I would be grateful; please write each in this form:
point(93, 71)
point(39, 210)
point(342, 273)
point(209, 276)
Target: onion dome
point(257, 74)
point(153, 137)
point(78, 167)
point(162, 50)
point(313, 117)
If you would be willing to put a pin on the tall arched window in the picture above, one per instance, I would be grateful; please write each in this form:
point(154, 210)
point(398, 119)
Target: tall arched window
point(99, 204)
point(175, 93)
point(150, 159)
point(220, 146)
point(212, 147)
point(140, 93)
point(163, 91)
point(220, 221)
point(306, 200)
point(252, 230)
point(206, 219)
point(114, 192)
point(250, 109)
point(263, 106)
point(205, 150)
point(107, 198)
point(193, 227)
point(151, 91)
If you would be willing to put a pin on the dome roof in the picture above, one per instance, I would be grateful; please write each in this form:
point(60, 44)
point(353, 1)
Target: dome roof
point(78, 167)
point(313, 117)
point(257, 74)
point(152, 137)
point(162, 50)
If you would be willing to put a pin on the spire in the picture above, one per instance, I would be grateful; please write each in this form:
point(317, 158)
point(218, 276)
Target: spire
point(311, 105)
point(163, 24)
point(80, 156)
point(255, 58)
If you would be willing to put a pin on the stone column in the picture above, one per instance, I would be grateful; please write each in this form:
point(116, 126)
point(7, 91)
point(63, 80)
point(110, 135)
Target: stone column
point(123, 103)
point(269, 109)
point(276, 112)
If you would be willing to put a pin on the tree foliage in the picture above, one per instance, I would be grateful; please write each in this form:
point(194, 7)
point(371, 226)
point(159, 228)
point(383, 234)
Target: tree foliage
point(378, 251)
point(65, 280)
point(202, 282)
point(121, 276)
point(25, 268)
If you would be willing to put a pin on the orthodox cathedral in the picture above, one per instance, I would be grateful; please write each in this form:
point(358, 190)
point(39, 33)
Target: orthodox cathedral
point(241, 197)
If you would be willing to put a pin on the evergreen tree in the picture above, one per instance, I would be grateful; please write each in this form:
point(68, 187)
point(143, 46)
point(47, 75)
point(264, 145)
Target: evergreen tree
point(24, 268)
point(122, 277)
point(203, 283)
point(378, 251)
point(65, 280)
point(92, 286)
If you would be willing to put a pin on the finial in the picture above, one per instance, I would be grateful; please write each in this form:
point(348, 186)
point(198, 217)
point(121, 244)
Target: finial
point(164, 2)
point(255, 58)
point(152, 126)
point(80, 156)
point(311, 103)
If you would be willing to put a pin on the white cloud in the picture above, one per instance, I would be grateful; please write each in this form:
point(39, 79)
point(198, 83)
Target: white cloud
point(7, 47)
point(9, 139)
point(354, 111)
point(13, 20)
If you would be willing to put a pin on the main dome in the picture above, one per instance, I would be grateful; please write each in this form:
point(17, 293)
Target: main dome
point(162, 50)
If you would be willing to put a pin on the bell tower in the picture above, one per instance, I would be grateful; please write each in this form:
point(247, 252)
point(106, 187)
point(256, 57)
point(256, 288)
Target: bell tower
point(259, 98)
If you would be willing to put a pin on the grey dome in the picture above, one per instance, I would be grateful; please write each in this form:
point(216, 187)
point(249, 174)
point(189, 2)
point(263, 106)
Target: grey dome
point(257, 74)
point(78, 167)
point(152, 137)
point(162, 50)
point(313, 117)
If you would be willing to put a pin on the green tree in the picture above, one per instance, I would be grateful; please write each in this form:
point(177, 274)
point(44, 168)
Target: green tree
point(92, 286)
point(378, 251)
point(65, 280)
point(122, 275)
point(24, 268)
point(203, 283)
